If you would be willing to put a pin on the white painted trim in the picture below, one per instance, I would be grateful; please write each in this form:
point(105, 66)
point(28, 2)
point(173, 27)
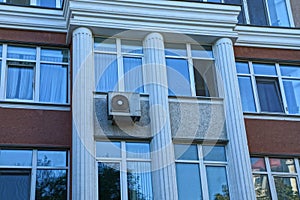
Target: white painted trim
point(269, 116)
point(34, 106)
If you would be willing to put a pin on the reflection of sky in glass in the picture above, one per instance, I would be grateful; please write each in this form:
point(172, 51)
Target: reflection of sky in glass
point(52, 158)
point(185, 152)
point(202, 51)
point(105, 44)
point(175, 49)
point(264, 69)
point(291, 71)
point(132, 46)
point(16, 157)
point(214, 153)
point(217, 181)
point(25, 53)
point(108, 149)
point(242, 67)
point(138, 150)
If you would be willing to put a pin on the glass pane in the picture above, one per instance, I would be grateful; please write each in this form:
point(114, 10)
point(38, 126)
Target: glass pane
point(291, 71)
point(46, 3)
point(257, 12)
point(269, 95)
point(202, 51)
point(214, 153)
point(242, 67)
point(264, 69)
point(106, 72)
point(138, 150)
point(132, 46)
point(258, 164)
point(139, 181)
point(51, 184)
point(175, 49)
point(19, 83)
point(185, 152)
point(105, 44)
point(217, 183)
point(246, 92)
point(292, 94)
point(278, 13)
point(54, 55)
point(261, 185)
point(178, 77)
point(205, 82)
point(25, 53)
point(133, 76)
point(52, 158)
point(108, 149)
point(53, 83)
point(282, 165)
point(15, 184)
point(1, 47)
point(109, 181)
point(15, 157)
point(19, 2)
point(216, 1)
point(188, 181)
point(286, 188)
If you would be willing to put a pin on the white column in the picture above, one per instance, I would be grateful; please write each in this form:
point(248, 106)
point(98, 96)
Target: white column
point(163, 167)
point(83, 158)
point(240, 178)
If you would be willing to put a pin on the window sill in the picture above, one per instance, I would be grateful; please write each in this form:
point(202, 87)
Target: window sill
point(34, 105)
point(272, 116)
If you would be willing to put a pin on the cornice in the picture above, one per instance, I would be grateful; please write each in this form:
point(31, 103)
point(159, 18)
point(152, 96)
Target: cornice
point(268, 37)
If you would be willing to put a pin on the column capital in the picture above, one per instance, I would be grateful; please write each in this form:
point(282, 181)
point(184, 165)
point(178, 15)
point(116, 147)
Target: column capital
point(81, 30)
point(154, 36)
point(222, 41)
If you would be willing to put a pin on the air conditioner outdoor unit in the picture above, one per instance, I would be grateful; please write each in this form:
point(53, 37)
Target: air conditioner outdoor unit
point(124, 104)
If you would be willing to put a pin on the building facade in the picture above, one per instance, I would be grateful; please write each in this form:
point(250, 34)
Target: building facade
point(144, 100)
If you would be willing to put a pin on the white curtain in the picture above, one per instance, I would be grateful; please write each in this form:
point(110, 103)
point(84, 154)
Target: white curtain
point(133, 77)
point(20, 83)
point(53, 83)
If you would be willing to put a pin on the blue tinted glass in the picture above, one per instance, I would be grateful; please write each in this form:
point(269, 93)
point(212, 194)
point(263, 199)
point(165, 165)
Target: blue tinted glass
point(138, 150)
point(292, 94)
point(242, 67)
point(217, 183)
point(15, 157)
point(186, 152)
point(132, 46)
point(264, 69)
point(24, 53)
point(47, 3)
point(291, 71)
point(54, 55)
point(105, 44)
point(133, 76)
point(175, 49)
point(106, 72)
point(278, 13)
point(188, 181)
point(202, 51)
point(139, 181)
point(1, 51)
point(214, 153)
point(178, 77)
point(52, 158)
point(246, 94)
point(108, 149)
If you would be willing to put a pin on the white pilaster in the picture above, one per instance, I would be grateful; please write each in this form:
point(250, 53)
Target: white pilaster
point(240, 178)
point(163, 167)
point(83, 158)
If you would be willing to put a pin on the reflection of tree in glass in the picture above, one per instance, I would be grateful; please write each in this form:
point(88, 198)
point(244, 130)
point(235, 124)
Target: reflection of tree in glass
point(50, 184)
point(225, 195)
point(134, 187)
point(285, 191)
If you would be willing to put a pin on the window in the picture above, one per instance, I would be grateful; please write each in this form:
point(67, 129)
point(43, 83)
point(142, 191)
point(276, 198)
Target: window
point(201, 172)
point(34, 74)
point(41, 3)
point(33, 174)
point(190, 70)
point(275, 178)
point(124, 170)
point(268, 12)
point(273, 88)
point(118, 65)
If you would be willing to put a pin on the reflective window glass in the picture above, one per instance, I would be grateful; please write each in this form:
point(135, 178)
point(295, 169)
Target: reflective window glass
point(138, 150)
point(175, 49)
point(282, 165)
point(52, 158)
point(133, 76)
point(214, 153)
point(132, 46)
point(286, 188)
point(49, 3)
point(19, 2)
point(264, 69)
point(217, 183)
point(257, 12)
point(278, 13)
point(202, 51)
point(185, 152)
point(246, 92)
point(258, 164)
point(54, 55)
point(1, 47)
point(105, 44)
point(108, 149)
point(15, 157)
point(242, 67)
point(290, 71)
point(262, 188)
point(188, 181)
point(24, 53)
point(292, 95)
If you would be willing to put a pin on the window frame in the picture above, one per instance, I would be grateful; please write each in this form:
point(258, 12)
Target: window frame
point(278, 77)
point(190, 58)
point(122, 161)
point(33, 168)
point(36, 66)
point(120, 55)
point(203, 164)
point(270, 174)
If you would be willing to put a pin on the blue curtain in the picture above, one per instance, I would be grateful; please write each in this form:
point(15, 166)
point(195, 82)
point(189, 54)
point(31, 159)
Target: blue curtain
point(53, 83)
point(19, 83)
